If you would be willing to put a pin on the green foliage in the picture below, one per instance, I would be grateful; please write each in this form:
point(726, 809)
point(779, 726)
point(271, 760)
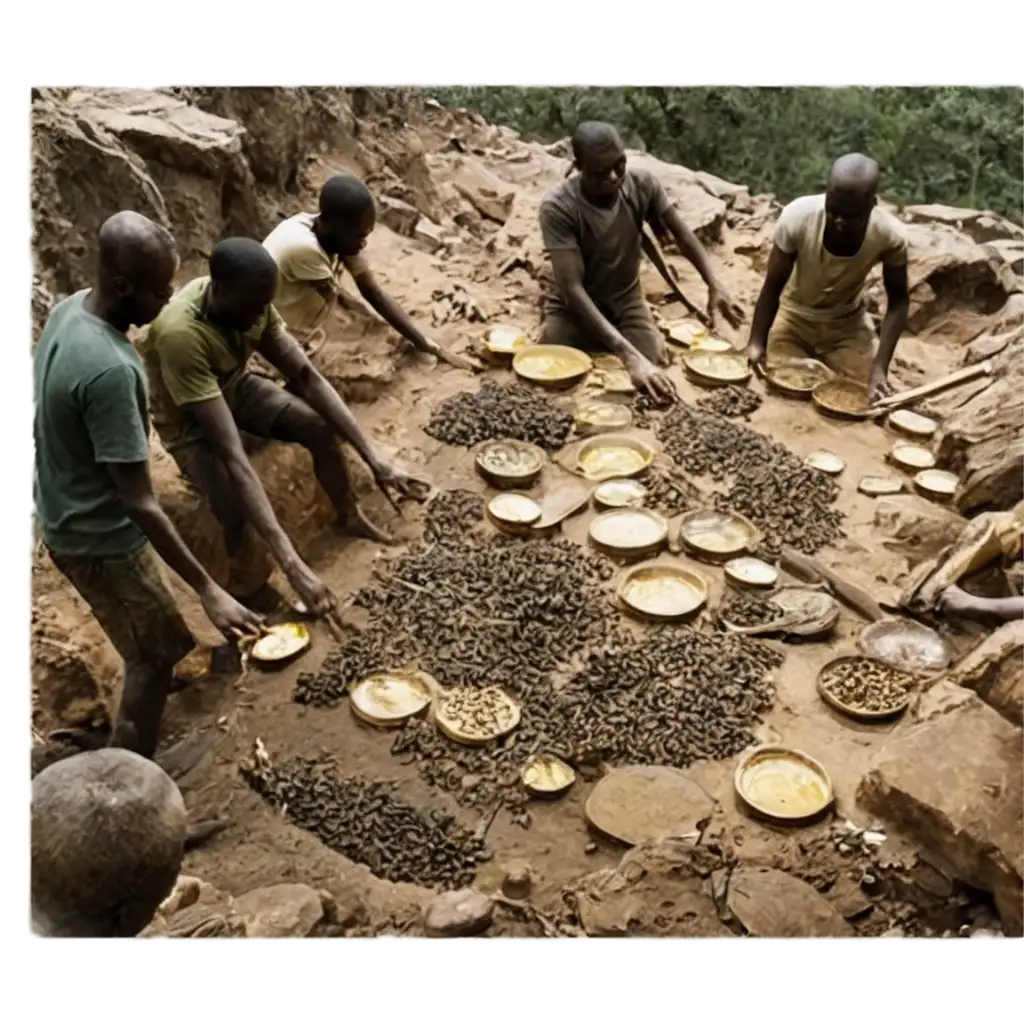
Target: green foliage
point(950, 144)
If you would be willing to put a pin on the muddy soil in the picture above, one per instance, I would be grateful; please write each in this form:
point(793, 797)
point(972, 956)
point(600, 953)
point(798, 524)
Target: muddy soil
point(259, 848)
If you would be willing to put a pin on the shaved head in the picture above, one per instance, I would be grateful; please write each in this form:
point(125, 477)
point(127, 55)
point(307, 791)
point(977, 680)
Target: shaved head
point(239, 261)
point(136, 267)
point(594, 137)
point(854, 172)
point(347, 216)
point(133, 246)
point(243, 280)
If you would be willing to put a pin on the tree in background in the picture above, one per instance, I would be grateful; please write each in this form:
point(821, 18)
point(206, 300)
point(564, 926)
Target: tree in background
point(955, 145)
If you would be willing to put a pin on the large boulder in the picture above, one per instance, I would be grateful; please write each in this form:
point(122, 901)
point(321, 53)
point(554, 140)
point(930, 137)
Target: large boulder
point(950, 780)
point(994, 670)
point(979, 225)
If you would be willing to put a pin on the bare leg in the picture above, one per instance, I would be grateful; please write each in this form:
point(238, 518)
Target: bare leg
point(142, 706)
point(957, 603)
point(332, 474)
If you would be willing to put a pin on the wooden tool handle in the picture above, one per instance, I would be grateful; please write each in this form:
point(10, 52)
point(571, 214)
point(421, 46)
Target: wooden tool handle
point(850, 594)
point(964, 376)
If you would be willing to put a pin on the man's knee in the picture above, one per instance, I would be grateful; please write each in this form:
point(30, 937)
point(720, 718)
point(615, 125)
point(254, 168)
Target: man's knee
point(305, 427)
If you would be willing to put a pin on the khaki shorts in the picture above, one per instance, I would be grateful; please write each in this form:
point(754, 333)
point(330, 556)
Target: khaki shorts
point(131, 602)
point(847, 347)
point(632, 320)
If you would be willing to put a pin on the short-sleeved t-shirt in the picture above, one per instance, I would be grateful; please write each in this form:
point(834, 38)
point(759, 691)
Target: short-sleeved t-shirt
point(91, 413)
point(608, 238)
point(827, 287)
point(301, 266)
point(188, 359)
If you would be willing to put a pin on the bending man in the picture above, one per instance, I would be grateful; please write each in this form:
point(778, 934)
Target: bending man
point(592, 227)
point(312, 250)
point(811, 303)
point(197, 354)
point(99, 518)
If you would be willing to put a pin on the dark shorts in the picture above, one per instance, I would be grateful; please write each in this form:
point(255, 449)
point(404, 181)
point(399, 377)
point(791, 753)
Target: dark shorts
point(632, 320)
point(131, 602)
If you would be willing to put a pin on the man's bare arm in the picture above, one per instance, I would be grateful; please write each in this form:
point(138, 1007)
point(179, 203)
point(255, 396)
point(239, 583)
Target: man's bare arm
point(777, 274)
point(135, 489)
point(218, 427)
point(897, 310)
point(393, 314)
point(285, 354)
point(687, 242)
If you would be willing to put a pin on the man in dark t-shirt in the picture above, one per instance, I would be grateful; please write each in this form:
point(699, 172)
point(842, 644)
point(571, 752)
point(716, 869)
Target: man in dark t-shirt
point(592, 226)
point(95, 506)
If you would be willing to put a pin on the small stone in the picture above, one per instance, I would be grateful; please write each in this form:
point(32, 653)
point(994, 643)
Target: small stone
point(518, 880)
point(458, 914)
point(470, 782)
point(427, 232)
point(280, 911)
point(590, 848)
point(184, 894)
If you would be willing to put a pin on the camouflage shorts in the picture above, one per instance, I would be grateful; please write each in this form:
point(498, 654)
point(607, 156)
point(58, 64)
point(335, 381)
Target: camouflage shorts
point(130, 600)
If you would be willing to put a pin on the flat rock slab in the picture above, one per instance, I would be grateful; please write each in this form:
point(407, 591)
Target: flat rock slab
point(773, 905)
point(280, 911)
point(647, 802)
point(951, 782)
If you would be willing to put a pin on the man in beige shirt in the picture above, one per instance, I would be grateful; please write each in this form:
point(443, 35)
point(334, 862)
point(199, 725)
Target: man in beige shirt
point(313, 249)
point(811, 303)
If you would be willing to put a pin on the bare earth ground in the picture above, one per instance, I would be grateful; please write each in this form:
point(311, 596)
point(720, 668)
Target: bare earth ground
point(259, 848)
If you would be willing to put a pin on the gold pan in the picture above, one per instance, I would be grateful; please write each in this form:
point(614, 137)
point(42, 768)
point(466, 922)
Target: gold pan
point(507, 463)
point(619, 494)
point(842, 398)
point(281, 643)
point(628, 532)
point(783, 785)
point(797, 378)
point(503, 340)
point(855, 712)
point(826, 462)
point(513, 513)
point(609, 456)
point(557, 366)
point(474, 716)
point(683, 332)
point(716, 369)
point(592, 416)
point(718, 536)
point(662, 592)
point(876, 486)
point(937, 484)
point(911, 457)
point(547, 776)
point(388, 699)
point(905, 645)
point(913, 424)
point(751, 573)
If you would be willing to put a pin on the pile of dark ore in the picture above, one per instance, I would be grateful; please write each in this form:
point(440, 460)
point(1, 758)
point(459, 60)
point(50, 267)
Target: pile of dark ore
point(790, 502)
point(366, 822)
point(501, 411)
point(750, 610)
point(668, 491)
point(731, 401)
point(451, 514)
point(674, 698)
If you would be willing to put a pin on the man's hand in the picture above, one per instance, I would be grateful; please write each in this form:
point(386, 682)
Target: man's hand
point(396, 484)
point(233, 620)
point(311, 590)
point(649, 380)
point(721, 304)
point(878, 385)
point(756, 349)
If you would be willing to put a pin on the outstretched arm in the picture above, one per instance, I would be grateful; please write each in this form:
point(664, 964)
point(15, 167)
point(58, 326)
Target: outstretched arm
point(897, 309)
point(777, 274)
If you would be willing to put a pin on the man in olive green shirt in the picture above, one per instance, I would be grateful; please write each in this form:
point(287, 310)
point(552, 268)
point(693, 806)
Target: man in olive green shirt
point(94, 499)
point(196, 355)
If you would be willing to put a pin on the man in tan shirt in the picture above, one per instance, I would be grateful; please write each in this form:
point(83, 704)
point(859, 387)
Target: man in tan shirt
point(811, 303)
point(312, 250)
point(592, 227)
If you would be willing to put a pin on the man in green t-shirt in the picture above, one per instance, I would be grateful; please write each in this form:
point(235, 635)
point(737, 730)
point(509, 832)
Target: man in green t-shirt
point(197, 355)
point(99, 518)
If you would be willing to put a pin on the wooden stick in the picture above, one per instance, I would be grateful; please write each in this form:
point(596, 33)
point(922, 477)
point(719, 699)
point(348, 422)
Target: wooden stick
point(964, 376)
point(850, 594)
